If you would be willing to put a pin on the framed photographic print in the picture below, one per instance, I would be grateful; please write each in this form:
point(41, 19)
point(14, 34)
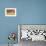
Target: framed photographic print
point(10, 11)
point(33, 32)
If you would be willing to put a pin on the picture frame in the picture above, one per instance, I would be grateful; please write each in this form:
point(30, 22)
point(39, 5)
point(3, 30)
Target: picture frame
point(39, 35)
point(10, 12)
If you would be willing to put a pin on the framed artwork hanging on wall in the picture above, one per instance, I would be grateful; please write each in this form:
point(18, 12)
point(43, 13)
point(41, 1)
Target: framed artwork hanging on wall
point(10, 11)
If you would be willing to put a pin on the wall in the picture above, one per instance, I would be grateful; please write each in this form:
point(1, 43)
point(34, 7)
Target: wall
point(28, 12)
